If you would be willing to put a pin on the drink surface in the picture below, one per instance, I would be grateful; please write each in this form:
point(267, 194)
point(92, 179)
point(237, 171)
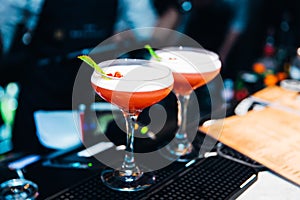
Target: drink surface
point(189, 61)
point(139, 87)
point(135, 78)
point(191, 69)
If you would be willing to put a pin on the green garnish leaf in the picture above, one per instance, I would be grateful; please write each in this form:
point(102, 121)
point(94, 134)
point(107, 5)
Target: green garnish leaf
point(152, 52)
point(88, 60)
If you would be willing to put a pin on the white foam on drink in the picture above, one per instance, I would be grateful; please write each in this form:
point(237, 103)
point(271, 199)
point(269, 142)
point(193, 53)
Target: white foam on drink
point(185, 61)
point(135, 78)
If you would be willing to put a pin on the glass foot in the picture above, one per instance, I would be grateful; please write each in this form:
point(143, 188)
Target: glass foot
point(114, 180)
point(18, 189)
point(179, 152)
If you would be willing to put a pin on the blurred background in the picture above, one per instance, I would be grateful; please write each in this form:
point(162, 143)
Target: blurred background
point(257, 41)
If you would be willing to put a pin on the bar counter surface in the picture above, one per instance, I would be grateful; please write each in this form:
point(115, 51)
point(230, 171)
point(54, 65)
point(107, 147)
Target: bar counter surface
point(214, 177)
point(205, 178)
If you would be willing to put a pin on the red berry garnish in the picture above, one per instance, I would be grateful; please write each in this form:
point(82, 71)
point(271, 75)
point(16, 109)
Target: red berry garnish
point(118, 75)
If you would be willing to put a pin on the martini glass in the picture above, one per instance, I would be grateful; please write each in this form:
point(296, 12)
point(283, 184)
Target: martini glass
point(192, 68)
point(143, 83)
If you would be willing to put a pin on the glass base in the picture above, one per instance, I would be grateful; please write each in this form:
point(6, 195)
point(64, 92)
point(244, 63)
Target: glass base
point(113, 180)
point(179, 152)
point(18, 189)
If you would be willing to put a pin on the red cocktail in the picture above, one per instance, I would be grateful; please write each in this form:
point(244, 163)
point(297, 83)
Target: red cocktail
point(132, 101)
point(192, 68)
point(143, 83)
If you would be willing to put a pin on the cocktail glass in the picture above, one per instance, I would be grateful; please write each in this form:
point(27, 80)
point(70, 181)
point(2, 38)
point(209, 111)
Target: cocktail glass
point(143, 83)
point(18, 188)
point(192, 68)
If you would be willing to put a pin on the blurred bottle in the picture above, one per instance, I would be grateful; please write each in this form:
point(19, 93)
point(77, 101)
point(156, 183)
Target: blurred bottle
point(285, 42)
point(89, 124)
point(268, 58)
point(294, 71)
point(1, 45)
point(9, 103)
point(8, 106)
point(81, 110)
point(244, 85)
point(228, 92)
point(2, 92)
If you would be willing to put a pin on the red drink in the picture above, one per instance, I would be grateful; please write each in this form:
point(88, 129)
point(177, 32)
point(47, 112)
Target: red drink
point(132, 101)
point(191, 68)
point(194, 81)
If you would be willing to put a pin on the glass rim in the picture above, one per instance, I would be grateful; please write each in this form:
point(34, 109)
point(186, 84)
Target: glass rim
point(214, 55)
point(17, 181)
point(133, 61)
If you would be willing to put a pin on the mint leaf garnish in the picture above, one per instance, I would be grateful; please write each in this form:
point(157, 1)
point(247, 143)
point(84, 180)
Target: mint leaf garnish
point(152, 52)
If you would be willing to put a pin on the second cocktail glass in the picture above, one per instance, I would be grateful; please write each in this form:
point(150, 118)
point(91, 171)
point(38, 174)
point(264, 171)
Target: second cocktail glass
point(139, 84)
point(192, 68)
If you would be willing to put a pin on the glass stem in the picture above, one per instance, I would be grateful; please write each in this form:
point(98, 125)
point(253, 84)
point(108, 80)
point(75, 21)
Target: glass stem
point(183, 102)
point(129, 166)
point(20, 173)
